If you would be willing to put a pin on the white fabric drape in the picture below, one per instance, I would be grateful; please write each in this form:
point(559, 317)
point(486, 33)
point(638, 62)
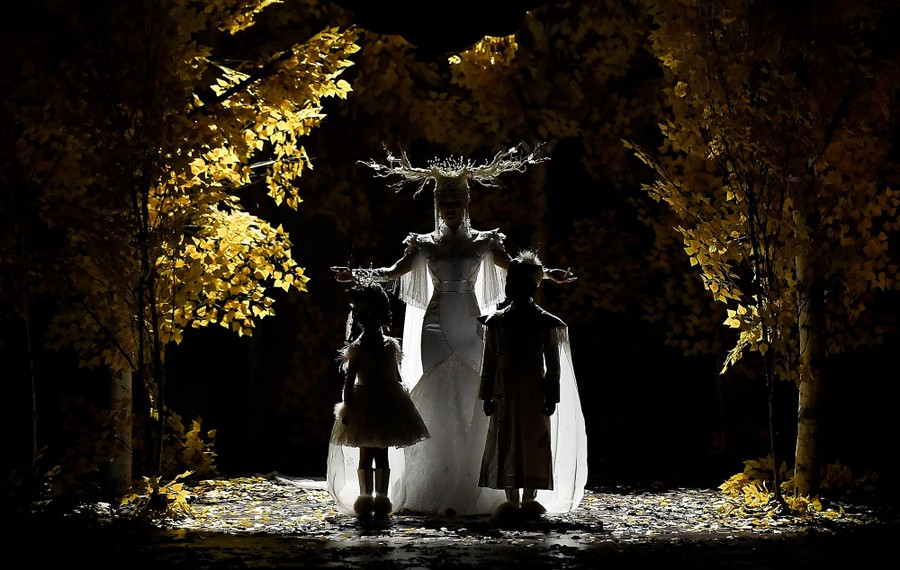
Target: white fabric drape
point(451, 399)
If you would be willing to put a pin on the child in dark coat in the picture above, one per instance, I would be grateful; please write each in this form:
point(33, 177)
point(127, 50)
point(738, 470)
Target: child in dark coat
point(520, 389)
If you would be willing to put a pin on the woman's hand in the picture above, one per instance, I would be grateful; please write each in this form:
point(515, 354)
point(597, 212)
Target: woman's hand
point(342, 274)
point(561, 275)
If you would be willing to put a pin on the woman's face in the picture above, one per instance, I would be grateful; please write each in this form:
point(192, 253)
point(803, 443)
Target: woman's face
point(451, 210)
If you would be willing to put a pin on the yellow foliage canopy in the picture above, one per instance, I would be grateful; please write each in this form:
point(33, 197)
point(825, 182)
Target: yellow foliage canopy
point(147, 177)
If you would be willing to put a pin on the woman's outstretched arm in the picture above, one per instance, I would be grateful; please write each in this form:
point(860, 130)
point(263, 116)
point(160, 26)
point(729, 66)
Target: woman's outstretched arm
point(403, 266)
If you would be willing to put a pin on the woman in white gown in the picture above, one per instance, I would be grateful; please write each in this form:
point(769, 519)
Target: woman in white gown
point(448, 278)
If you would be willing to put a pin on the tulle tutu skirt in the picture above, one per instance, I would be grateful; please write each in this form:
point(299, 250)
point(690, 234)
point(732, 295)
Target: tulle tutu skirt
point(380, 415)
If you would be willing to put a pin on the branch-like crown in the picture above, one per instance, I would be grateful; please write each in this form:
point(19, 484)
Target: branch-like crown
point(514, 159)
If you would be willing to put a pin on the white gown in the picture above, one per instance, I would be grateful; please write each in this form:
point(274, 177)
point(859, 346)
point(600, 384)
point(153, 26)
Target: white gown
point(453, 282)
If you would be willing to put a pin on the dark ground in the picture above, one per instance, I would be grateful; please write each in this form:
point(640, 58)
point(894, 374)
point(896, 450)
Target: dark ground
point(276, 521)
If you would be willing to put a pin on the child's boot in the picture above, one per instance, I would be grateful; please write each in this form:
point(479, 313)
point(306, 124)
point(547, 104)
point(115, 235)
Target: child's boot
point(364, 503)
point(509, 508)
point(382, 504)
point(531, 509)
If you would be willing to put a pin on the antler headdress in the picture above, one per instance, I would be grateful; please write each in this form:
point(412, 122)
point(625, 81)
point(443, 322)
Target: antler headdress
point(454, 173)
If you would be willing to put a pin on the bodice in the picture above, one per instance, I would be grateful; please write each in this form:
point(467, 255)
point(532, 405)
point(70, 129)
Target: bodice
point(454, 273)
point(376, 363)
point(454, 261)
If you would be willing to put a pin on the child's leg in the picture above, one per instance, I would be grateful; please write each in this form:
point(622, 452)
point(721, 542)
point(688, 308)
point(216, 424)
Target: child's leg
point(367, 457)
point(383, 504)
point(366, 475)
point(512, 495)
point(528, 494)
point(380, 457)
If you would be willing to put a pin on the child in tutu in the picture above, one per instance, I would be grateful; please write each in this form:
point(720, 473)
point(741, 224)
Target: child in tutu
point(376, 411)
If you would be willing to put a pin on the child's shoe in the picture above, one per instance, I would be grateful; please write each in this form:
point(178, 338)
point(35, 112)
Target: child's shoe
point(363, 507)
point(506, 510)
point(382, 506)
point(532, 510)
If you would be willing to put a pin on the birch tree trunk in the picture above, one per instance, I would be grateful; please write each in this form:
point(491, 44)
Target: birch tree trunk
point(120, 474)
point(811, 396)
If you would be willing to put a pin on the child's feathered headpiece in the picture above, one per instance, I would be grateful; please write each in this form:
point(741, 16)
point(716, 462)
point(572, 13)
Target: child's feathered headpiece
point(527, 263)
point(370, 307)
